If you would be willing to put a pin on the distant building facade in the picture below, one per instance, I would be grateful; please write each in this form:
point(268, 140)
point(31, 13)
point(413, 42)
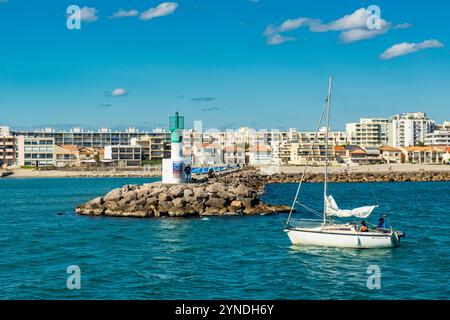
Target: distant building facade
point(91, 139)
point(35, 151)
point(410, 129)
point(8, 150)
point(369, 132)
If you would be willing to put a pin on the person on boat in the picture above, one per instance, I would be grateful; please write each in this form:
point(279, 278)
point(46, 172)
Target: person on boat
point(382, 224)
point(363, 227)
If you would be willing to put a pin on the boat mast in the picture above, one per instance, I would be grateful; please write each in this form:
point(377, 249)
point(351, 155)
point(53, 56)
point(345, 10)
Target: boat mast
point(327, 129)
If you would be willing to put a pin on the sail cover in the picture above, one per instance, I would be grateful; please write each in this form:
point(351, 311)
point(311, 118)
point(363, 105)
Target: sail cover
point(332, 209)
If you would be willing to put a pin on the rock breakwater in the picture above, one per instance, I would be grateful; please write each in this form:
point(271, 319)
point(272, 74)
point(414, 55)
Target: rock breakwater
point(232, 193)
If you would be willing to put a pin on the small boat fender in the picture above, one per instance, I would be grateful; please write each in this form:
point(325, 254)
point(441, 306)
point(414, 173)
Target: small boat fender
point(400, 234)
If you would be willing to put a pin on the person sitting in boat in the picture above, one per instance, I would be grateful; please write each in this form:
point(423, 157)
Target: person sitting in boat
point(363, 227)
point(382, 224)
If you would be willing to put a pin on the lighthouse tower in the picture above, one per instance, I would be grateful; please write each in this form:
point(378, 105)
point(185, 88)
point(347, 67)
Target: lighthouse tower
point(173, 168)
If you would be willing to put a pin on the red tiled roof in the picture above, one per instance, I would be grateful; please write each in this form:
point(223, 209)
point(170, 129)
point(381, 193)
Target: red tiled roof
point(358, 152)
point(389, 148)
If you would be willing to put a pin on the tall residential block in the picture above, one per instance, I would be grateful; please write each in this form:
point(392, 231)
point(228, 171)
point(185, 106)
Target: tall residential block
point(410, 129)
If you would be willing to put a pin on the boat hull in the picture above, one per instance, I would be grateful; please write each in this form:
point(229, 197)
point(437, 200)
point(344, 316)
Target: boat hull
point(316, 237)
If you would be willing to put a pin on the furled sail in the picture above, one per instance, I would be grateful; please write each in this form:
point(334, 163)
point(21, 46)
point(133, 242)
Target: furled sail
point(332, 209)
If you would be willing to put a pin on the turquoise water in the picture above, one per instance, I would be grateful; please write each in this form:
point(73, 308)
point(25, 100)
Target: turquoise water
point(215, 258)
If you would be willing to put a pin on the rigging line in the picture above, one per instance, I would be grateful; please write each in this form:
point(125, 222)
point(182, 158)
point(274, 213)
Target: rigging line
point(339, 94)
point(307, 160)
point(317, 213)
point(374, 193)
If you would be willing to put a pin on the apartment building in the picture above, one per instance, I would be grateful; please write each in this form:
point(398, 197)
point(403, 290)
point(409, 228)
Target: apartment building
point(124, 155)
point(8, 150)
point(155, 147)
point(66, 156)
point(233, 155)
point(391, 154)
point(369, 132)
point(438, 138)
point(426, 155)
point(259, 155)
point(92, 139)
point(35, 151)
point(410, 129)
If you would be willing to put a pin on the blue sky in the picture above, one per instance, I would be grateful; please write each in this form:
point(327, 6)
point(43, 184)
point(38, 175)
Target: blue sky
point(229, 63)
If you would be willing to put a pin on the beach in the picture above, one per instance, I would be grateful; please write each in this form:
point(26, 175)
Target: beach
point(382, 168)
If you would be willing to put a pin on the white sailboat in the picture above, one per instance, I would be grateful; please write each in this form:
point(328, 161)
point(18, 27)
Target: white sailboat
point(326, 231)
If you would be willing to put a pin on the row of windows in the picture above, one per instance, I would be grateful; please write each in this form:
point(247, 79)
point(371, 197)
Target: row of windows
point(41, 163)
point(38, 155)
point(38, 149)
point(66, 157)
point(38, 142)
point(126, 157)
point(126, 150)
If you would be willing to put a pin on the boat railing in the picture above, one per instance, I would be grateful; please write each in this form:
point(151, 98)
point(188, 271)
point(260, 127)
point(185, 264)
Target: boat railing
point(305, 223)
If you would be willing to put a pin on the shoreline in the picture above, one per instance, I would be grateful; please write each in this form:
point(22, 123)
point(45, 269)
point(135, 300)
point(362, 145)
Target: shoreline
point(366, 170)
point(30, 174)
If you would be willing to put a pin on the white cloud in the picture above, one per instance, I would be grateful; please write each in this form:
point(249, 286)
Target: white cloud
point(403, 48)
point(161, 10)
point(352, 27)
point(353, 35)
point(88, 14)
point(356, 20)
point(278, 39)
point(124, 13)
point(288, 25)
point(118, 92)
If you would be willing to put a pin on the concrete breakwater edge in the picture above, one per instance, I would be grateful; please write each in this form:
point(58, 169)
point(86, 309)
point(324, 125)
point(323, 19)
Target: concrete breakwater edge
point(233, 193)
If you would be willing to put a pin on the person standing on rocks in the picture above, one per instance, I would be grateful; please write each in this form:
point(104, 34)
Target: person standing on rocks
point(211, 174)
point(187, 171)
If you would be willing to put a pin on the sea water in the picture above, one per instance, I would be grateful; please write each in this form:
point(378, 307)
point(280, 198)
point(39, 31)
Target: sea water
point(231, 257)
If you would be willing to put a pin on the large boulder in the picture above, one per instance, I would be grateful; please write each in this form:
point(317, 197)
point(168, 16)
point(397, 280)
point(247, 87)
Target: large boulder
point(165, 206)
point(114, 195)
point(129, 196)
point(236, 205)
point(112, 208)
point(179, 203)
point(188, 193)
point(215, 188)
point(200, 193)
point(249, 202)
point(163, 196)
point(216, 203)
point(176, 191)
point(242, 191)
point(96, 203)
point(151, 201)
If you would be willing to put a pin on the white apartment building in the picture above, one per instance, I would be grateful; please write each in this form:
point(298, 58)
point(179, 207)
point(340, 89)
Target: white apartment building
point(438, 138)
point(8, 152)
point(35, 151)
point(124, 155)
point(369, 132)
point(410, 128)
